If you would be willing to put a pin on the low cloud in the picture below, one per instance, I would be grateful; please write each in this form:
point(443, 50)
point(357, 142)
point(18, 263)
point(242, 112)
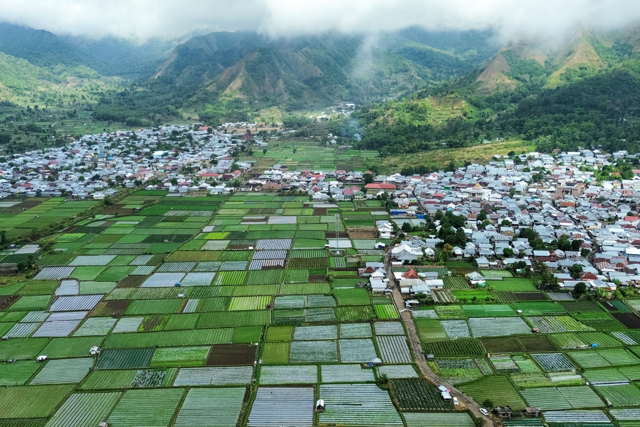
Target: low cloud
point(142, 19)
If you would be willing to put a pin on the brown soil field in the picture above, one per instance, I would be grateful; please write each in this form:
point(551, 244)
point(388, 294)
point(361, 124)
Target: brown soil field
point(630, 320)
point(232, 354)
point(531, 296)
point(110, 308)
point(132, 282)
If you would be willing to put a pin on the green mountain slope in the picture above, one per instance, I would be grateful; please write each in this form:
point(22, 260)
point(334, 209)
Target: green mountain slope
point(584, 94)
point(23, 83)
point(108, 56)
point(304, 71)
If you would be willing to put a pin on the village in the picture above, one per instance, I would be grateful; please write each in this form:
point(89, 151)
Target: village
point(493, 293)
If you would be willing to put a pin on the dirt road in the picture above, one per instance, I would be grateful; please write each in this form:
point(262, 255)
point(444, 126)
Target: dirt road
point(417, 348)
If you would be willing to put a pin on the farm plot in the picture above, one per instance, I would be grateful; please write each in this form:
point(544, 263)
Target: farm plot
point(389, 328)
point(386, 311)
point(551, 324)
point(123, 359)
point(358, 404)
point(535, 343)
point(57, 328)
point(163, 280)
point(397, 371)
point(313, 351)
point(271, 375)
point(345, 374)
point(493, 310)
point(550, 398)
point(355, 330)
point(459, 347)
point(90, 260)
point(282, 407)
point(568, 341)
point(17, 373)
point(393, 349)
point(212, 406)
point(498, 389)
point(620, 395)
point(455, 283)
point(571, 417)
point(351, 314)
point(179, 356)
point(629, 320)
point(418, 395)
point(457, 371)
point(539, 308)
point(416, 419)
point(265, 277)
point(456, 328)
point(31, 401)
point(352, 296)
point(228, 278)
point(275, 353)
point(501, 345)
point(84, 410)
point(232, 354)
point(218, 376)
point(504, 365)
point(357, 350)
point(496, 274)
point(625, 414)
point(146, 408)
point(249, 303)
point(444, 296)
point(64, 371)
point(494, 327)
point(511, 285)
point(553, 362)
point(313, 333)
point(446, 312)
point(54, 273)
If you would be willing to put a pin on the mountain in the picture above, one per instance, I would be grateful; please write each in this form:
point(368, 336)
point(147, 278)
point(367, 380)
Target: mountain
point(582, 93)
point(318, 69)
point(583, 56)
point(23, 83)
point(109, 56)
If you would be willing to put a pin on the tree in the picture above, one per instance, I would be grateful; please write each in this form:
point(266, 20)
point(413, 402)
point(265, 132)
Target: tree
point(585, 252)
point(579, 290)
point(174, 181)
point(488, 403)
point(447, 250)
point(575, 270)
point(368, 178)
point(107, 201)
point(508, 252)
point(461, 237)
point(264, 151)
point(3, 238)
point(547, 279)
point(482, 215)
point(406, 227)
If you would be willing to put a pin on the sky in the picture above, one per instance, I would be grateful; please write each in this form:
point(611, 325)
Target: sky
point(143, 19)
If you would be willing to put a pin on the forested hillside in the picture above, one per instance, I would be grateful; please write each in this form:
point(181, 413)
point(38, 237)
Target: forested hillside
point(583, 94)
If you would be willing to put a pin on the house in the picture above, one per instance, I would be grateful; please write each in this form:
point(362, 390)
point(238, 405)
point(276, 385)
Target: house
point(482, 262)
point(476, 278)
point(406, 253)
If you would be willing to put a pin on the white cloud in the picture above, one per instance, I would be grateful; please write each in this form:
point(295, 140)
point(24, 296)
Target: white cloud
point(171, 18)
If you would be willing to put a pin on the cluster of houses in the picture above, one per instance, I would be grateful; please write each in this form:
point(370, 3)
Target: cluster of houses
point(567, 199)
point(88, 167)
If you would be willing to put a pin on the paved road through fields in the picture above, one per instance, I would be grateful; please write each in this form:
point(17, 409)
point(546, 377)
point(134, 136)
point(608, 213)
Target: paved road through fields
point(417, 348)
